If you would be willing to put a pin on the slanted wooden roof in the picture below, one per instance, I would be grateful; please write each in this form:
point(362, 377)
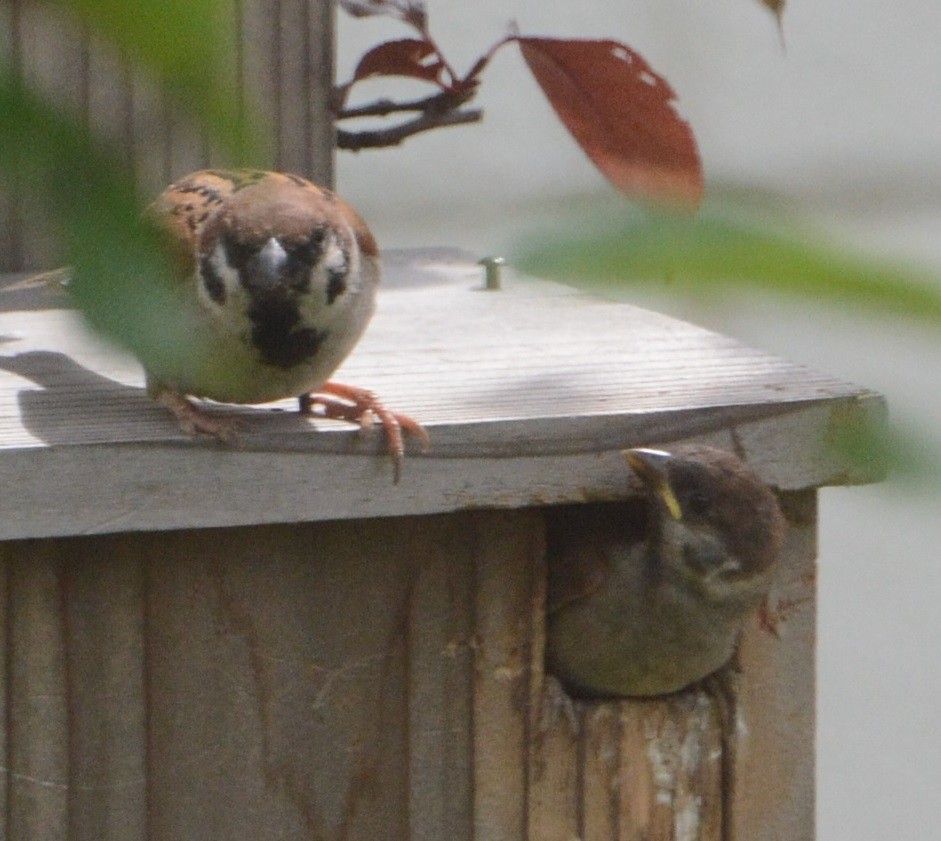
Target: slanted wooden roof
point(529, 393)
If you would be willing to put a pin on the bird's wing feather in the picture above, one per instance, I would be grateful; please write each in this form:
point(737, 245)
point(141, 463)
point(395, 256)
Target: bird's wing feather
point(187, 205)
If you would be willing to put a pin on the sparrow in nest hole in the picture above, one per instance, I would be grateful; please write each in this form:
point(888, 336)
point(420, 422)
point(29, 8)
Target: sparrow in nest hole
point(650, 596)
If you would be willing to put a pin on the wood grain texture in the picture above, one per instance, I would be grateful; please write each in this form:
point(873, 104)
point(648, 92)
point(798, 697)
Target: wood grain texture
point(276, 681)
point(294, 136)
point(441, 645)
point(373, 679)
point(104, 625)
point(285, 75)
point(772, 794)
point(10, 235)
point(59, 73)
point(259, 56)
point(321, 18)
point(336, 681)
point(553, 773)
point(5, 653)
point(37, 756)
point(508, 554)
point(671, 769)
point(537, 418)
point(109, 97)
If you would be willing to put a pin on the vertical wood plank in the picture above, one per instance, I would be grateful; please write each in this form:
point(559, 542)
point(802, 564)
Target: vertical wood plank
point(261, 67)
point(508, 552)
point(773, 794)
point(104, 621)
point(10, 251)
point(285, 75)
point(38, 720)
point(294, 154)
point(5, 661)
point(600, 779)
point(60, 74)
point(440, 638)
point(553, 785)
point(188, 149)
point(150, 127)
point(110, 98)
point(277, 682)
point(553, 802)
point(671, 769)
point(322, 132)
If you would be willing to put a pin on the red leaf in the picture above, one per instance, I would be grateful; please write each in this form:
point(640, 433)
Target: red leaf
point(621, 113)
point(406, 57)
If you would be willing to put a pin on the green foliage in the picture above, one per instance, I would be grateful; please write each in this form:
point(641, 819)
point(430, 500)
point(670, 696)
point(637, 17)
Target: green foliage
point(121, 277)
point(895, 450)
point(723, 249)
point(92, 201)
point(716, 250)
point(189, 47)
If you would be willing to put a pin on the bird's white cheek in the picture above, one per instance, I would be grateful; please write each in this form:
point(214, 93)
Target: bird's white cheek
point(217, 282)
point(221, 292)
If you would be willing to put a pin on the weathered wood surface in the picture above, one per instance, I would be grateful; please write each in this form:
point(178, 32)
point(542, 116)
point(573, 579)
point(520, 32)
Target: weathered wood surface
point(360, 680)
point(284, 73)
point(528, 393)
point(773, 762)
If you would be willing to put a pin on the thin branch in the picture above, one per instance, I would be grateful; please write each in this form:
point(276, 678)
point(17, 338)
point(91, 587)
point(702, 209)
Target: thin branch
point(422, 27)
point(354, 141)
point(439, 103)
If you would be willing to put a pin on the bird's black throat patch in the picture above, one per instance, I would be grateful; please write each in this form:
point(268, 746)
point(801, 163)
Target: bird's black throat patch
point(275, 332)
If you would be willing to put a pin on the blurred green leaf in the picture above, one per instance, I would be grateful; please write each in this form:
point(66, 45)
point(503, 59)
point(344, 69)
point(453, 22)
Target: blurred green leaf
point(887, 449)
point(715, 251)
point(190, 48)
point(122, 278)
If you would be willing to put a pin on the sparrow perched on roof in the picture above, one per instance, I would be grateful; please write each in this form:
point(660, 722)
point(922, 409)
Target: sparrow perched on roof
point(280, 277)
point(646, 599)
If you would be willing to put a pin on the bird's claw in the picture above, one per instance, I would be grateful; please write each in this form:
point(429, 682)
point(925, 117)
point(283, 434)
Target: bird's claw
point(363, 407)
point(196, 421)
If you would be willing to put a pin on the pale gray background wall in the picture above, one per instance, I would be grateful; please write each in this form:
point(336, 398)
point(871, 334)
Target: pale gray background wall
point(846, 120)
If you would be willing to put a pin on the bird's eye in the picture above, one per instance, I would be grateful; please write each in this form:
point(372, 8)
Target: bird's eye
point(237, 253)
point(697, 502)
point(309, 250)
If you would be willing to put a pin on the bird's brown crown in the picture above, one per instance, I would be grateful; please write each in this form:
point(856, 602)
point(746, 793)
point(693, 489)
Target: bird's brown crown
point(716, 489)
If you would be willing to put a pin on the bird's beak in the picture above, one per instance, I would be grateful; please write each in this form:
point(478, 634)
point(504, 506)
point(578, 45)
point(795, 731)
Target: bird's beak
point(651, 467)
point(266, 266)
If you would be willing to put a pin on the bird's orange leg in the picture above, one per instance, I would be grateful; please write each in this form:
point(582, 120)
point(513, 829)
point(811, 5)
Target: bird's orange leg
point(771, 617)
point(360, 405)
point(192, 419)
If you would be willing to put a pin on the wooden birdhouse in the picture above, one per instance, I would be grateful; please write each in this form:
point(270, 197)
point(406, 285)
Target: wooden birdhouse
point(273, 641)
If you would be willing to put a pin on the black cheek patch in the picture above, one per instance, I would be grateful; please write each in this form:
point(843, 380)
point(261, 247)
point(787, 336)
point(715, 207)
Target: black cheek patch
point(336, 283)
point(213, 284)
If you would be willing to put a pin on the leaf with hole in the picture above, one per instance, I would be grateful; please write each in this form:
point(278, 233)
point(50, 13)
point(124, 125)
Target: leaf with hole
point(622, 114)
point(410, 57)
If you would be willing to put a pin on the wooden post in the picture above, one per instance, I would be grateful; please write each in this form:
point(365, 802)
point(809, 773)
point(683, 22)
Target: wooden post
point(285, 75)
point(274, 641)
